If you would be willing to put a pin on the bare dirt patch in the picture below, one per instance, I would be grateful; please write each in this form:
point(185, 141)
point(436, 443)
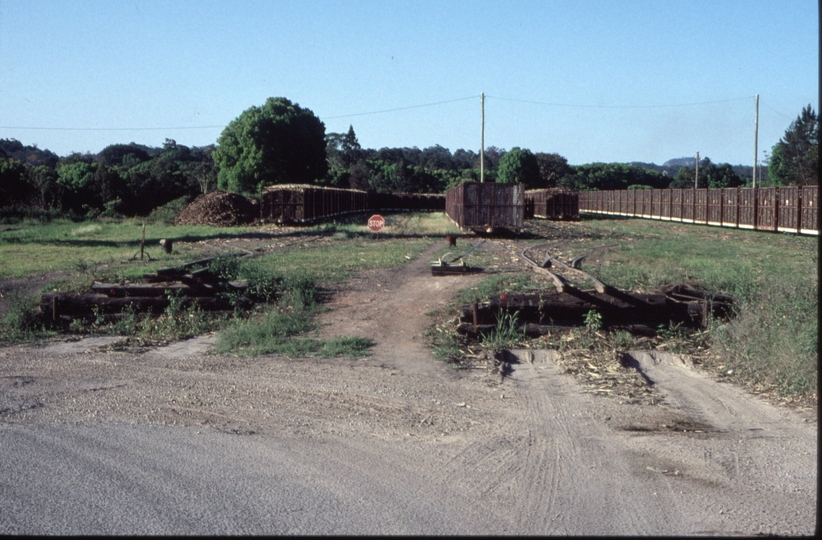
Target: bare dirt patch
point(533, 446)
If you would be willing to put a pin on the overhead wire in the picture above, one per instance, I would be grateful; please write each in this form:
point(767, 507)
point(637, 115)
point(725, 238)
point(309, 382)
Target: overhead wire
point(577, 105)
point(395, 109)
point(401, 108)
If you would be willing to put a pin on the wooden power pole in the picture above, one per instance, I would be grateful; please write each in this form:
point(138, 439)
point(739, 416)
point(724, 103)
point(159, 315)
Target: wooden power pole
point(696, 176)
point(756, 139)
point(482, 139)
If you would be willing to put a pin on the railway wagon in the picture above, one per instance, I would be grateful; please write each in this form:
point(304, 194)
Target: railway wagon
point(555, 203)
point(810, 210)
point(791, 209)
point(300, 203)
point(483, 207)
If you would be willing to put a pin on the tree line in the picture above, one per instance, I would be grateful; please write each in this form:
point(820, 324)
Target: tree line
point(281, 142)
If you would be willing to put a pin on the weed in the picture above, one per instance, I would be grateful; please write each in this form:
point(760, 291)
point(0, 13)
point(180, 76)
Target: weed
point(506, 334)
point(21, 322)
point(346, 346)
point(622, 340)
point(128, 324)
point(593, 321)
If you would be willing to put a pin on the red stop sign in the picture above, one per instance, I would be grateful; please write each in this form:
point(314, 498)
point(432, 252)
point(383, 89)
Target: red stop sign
point(376, 223)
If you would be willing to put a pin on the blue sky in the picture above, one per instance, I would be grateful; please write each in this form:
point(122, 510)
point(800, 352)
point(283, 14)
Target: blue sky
point(590, 80)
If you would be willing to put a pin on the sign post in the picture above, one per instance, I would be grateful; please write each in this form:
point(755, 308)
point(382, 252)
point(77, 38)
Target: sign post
point(376, 223)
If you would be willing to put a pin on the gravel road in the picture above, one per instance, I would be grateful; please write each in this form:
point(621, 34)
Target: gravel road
point(96, 438)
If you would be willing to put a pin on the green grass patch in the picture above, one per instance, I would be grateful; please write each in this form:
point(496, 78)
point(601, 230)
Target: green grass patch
point(284, 283)
point(31, 247)
point(772, 342)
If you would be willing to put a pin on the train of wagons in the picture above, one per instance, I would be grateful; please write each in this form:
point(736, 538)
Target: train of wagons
point(484, 207)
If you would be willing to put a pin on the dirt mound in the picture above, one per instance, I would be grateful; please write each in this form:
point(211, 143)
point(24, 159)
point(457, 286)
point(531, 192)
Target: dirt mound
point(220, 209)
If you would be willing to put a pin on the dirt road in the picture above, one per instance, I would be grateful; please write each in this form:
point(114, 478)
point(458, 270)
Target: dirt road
point(97, 439)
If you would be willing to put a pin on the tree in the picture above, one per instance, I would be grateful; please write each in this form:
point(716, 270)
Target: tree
point(277, 143)
point(519, 166)
point(114, 154)
point(43, 182)
point(724, 177)
point(80, 191)
point(436, 157)
point(13, 186)
point(794, 159)
point(342, 149)
point(552, 167)
point(609, 176)
point(710, 176)
point(492, 158)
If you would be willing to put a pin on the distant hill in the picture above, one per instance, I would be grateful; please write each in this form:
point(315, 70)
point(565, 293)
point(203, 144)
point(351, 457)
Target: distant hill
point(14, 149)
point(680, 162)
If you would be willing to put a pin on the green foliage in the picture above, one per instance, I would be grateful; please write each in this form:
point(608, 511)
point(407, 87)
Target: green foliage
point(773, 337)
point(277, 143)
point(519, 166)
point(21, 321)
point(79, 188)
point(13, 186)
point(593, 321)
point(166, 213)
point(795, 158)
point(778, 170)
point(121, 154)
point(342, 149)
point(46, 193)
point(346, 346)
point(685, 177)
point(710, 176)
point(282, 328)
point(552, 168)
point(506, 334)
point(611, 176)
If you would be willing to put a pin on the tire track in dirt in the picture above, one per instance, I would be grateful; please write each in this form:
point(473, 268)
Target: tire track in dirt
point(389, 307)
point(400, 430)
point(574, 477)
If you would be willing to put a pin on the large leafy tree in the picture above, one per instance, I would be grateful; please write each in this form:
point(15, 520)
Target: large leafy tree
point(519, 166)
point(794, 159)
point(552, 168)
point(277, 143)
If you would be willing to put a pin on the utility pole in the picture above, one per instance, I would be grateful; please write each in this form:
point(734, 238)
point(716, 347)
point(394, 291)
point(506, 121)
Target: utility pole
point(756, 139)
point(482, 139)
point(696, 176)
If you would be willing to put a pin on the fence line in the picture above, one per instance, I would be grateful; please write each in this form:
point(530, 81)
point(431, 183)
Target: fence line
point(792, 209)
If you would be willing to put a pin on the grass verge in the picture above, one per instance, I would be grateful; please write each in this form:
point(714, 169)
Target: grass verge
point(286, 283)
point(770, 345)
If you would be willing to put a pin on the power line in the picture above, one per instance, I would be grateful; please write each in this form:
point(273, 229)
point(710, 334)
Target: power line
point(400, 108)
point(620, 106)
point(222, 126)
point(777, 112)
point(576, 105)
point(109, 129)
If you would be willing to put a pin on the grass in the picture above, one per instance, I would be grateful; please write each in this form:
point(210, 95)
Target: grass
point(285, 283)
point(31, 247)
point(771, 343)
